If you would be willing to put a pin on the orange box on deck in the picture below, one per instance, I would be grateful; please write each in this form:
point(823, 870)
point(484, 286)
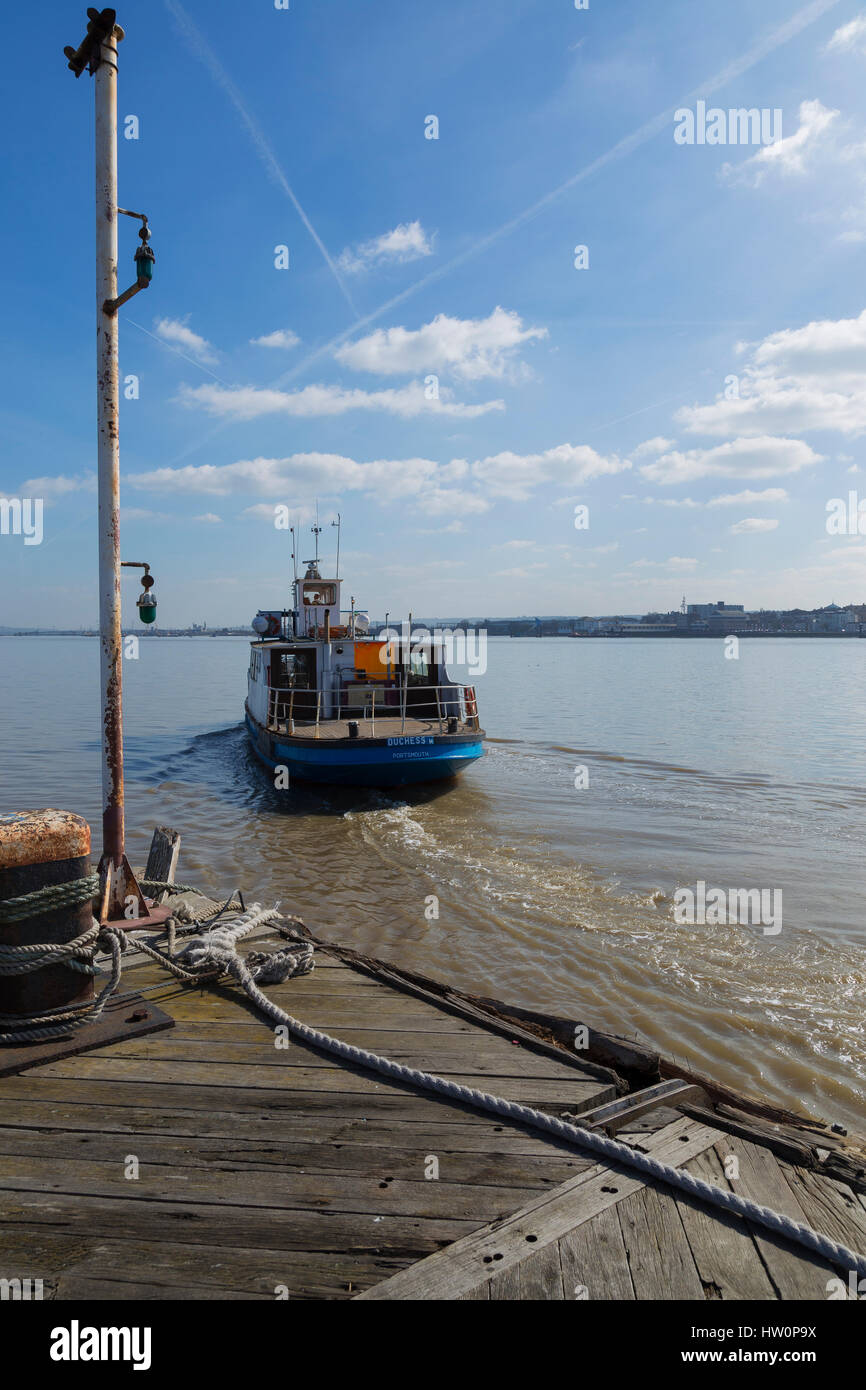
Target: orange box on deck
point(368, 659)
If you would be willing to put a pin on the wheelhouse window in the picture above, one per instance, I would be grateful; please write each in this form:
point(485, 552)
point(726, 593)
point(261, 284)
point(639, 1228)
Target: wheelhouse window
point(320, 595)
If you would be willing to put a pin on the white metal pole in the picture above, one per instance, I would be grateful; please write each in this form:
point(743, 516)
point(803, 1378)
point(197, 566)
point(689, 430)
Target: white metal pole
point(108, 410)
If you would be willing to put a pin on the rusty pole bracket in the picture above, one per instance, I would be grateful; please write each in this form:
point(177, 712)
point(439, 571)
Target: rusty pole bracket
point(111, 306)
point(144, 257)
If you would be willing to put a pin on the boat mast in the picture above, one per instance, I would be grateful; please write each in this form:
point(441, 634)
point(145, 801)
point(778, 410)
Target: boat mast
point(337, 524)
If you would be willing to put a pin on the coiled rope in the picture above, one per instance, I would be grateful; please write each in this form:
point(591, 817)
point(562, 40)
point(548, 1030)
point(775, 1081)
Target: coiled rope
point(40, 1027)
point(220, 948)
point(54, 895)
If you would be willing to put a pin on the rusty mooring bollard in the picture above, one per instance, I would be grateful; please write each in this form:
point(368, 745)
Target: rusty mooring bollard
point(39, 849)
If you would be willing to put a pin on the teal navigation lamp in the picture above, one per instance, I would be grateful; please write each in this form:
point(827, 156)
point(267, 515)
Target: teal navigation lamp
point(144, 259)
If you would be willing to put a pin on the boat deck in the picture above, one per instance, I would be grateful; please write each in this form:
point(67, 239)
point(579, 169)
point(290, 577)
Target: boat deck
point(384, 727)
point(264, 1172)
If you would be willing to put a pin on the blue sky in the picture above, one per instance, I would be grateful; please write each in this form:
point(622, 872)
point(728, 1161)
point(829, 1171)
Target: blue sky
point(420, 266)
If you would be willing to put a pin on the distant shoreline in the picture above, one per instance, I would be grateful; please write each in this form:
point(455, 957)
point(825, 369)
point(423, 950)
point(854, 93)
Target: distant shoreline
point(511, 637)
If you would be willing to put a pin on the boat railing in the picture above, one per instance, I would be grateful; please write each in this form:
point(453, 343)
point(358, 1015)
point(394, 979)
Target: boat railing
point(288, 706)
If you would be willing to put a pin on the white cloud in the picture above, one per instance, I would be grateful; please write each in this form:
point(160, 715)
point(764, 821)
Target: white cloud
point(687, 502)
point(253, 402)
point(281, 478)
point(851, 38)
point(825, 347)
point(761, 457)
point(58, 486)
point(415, 480)
point(673, 562)
point(261, 511)
point(749, 498)
point(430, 486)
point(408, 242)
point(280, 338)
point(210, 518)
point(521, 571)
point(470, 348)
point(142, 514)
point(752, 524)
point(796, 380)
point(176, 333)
point(659, 445)
point(516, 475)
point(789, 155)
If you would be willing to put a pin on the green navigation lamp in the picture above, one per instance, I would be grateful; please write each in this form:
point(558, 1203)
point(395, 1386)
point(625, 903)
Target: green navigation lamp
point(146, 601)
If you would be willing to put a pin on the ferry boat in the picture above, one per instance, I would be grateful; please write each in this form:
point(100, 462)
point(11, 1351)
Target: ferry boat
point(329, 702)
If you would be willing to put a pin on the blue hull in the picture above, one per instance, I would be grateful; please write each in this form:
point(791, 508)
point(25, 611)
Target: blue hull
point(396, 762)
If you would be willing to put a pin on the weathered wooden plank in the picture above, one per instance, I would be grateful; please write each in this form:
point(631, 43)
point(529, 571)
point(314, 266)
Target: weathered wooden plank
point(540, 1221)
point(284, 1191)
point(449, 1131)
point(541, 1276)
point(475, 1295)
point(333, 1012)
point(831, 1206)
point(457, 1056)
point(502, 1287)
point(95, 1219)
point(163, 856)
point(129, 1269)
point(110, 1291)
point(547, 1167)
point(244, 1101)
point(660, 1260)
point(594, 1262)
point(793, 1270)
point(725, 1254)
point(575, 1094)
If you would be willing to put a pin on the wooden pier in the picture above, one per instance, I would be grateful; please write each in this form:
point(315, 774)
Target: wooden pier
point(205, 1162)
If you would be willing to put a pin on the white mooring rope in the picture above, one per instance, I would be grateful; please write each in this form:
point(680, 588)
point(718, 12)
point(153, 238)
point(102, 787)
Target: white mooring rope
point(219, 947)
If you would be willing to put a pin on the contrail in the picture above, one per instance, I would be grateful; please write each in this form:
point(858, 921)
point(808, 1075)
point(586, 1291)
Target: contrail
point(790, 29)
point(202, 50)
point(171, 347)
point(761, 49)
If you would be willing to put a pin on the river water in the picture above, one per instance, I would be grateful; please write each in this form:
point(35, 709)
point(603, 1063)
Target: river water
point(617, 772)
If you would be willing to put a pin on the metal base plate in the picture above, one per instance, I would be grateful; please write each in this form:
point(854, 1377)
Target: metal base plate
point(129, 1016)
point(149, 921)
